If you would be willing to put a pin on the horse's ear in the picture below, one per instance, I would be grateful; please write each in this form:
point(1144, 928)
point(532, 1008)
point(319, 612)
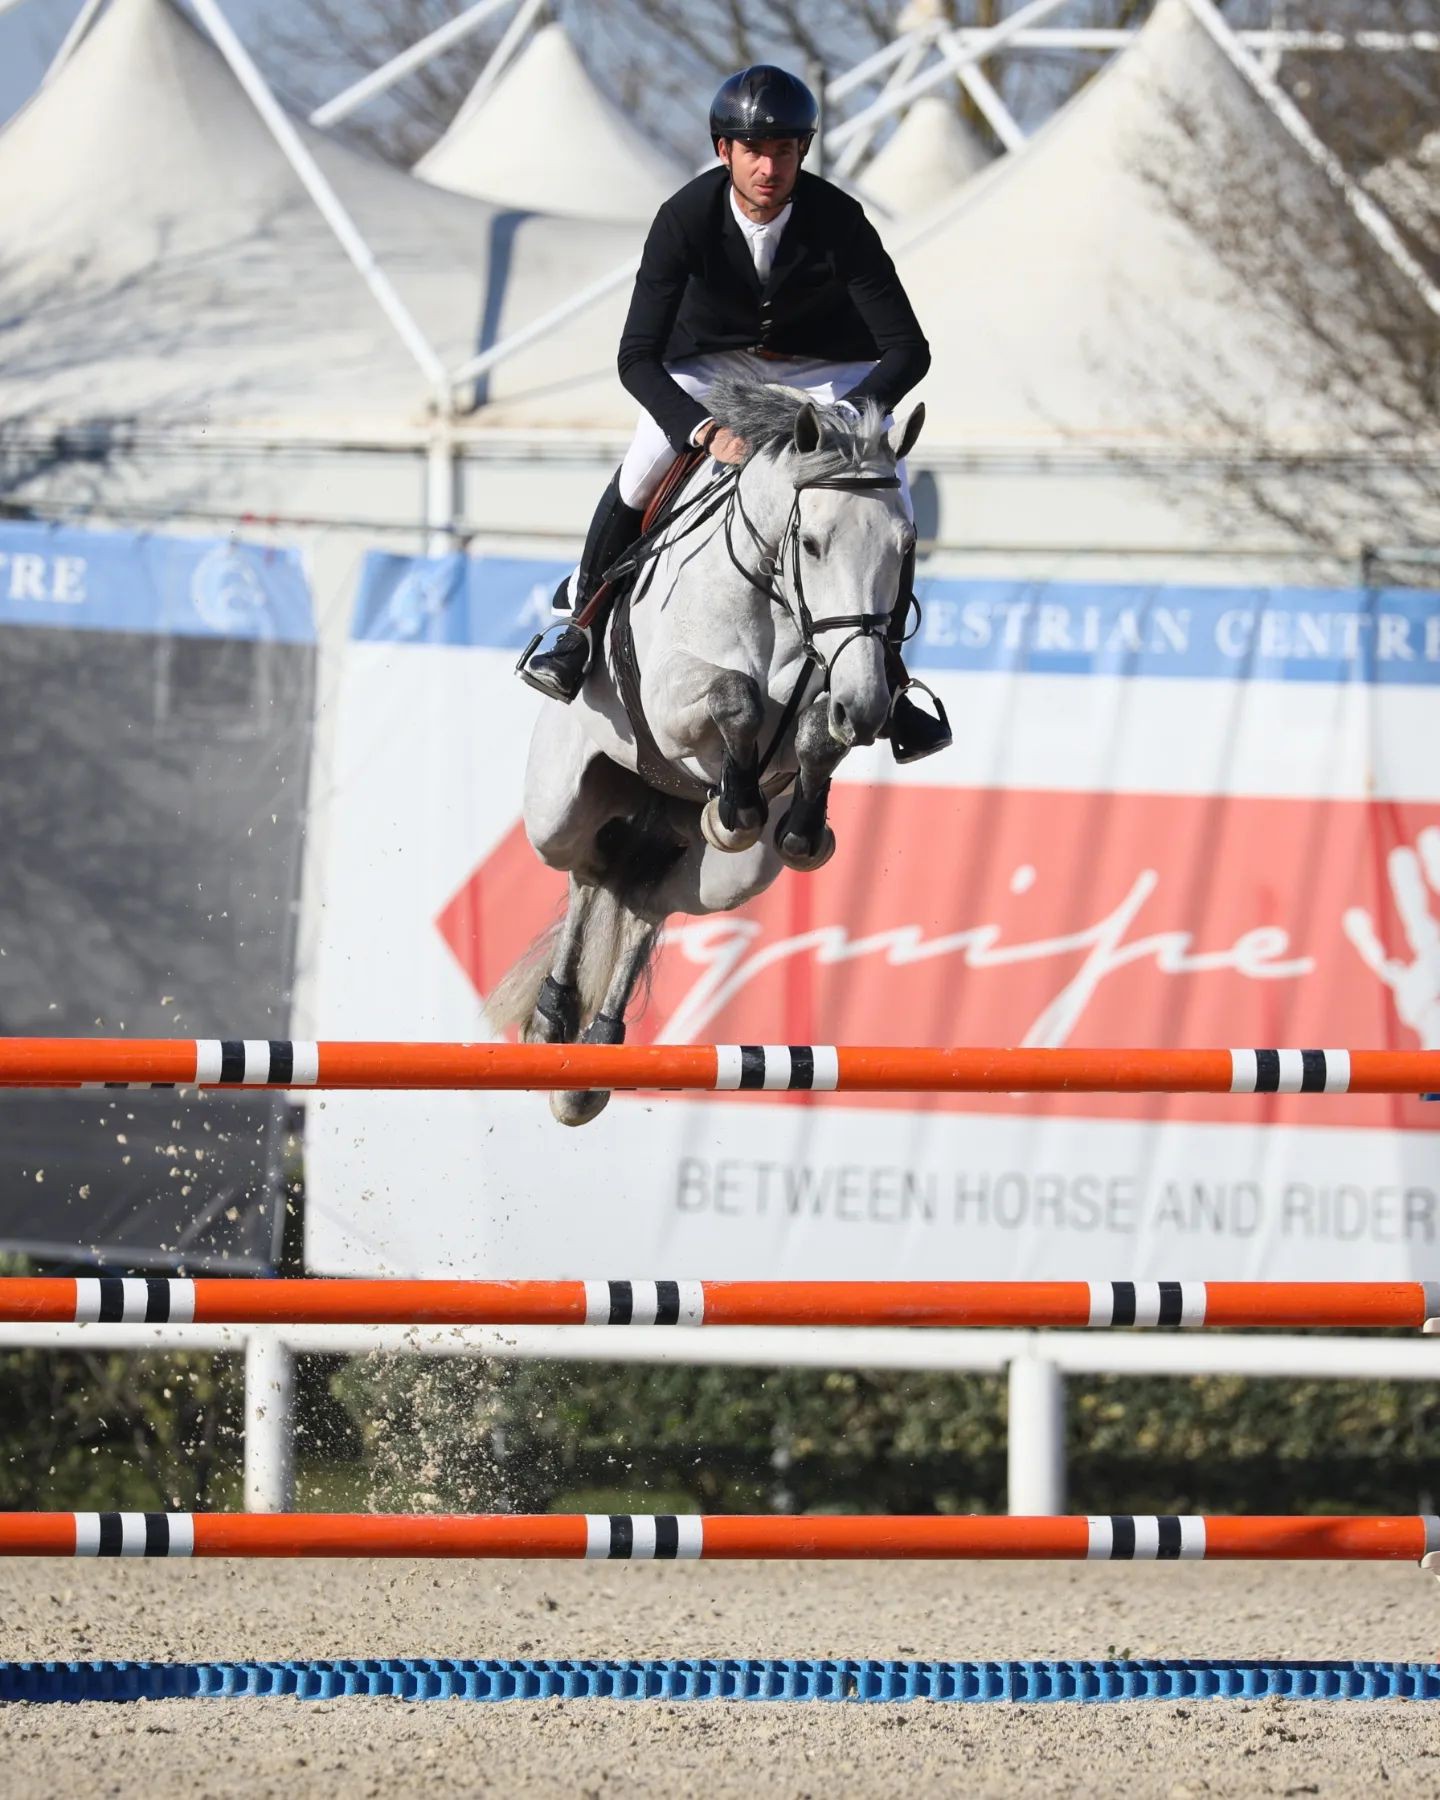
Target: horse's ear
point(807, 429)
point(909, 432)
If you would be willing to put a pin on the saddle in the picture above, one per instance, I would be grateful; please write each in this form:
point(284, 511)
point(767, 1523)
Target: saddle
point(655, 514)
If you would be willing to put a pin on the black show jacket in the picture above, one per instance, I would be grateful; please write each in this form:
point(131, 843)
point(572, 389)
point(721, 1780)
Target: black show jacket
point(833, 293)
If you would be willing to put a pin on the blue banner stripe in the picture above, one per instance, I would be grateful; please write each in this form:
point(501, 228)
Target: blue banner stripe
point(1389, 635)
point(66, 579)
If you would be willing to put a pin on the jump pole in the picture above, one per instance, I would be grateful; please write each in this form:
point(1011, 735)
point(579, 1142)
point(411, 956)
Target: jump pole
point(644, 1537)
point(286, 1063)
point(158, 1300)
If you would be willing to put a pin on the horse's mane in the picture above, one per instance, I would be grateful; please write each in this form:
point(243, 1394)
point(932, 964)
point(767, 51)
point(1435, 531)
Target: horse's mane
point(764, 414)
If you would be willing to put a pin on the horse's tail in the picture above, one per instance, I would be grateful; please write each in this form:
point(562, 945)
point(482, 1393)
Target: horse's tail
point(512, 1000)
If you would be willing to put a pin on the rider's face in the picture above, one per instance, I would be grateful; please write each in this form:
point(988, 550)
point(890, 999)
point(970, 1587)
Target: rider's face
point(764, 172)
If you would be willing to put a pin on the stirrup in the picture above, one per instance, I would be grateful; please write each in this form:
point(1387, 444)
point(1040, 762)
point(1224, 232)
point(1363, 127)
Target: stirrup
point(545, 682)
point(934, 735)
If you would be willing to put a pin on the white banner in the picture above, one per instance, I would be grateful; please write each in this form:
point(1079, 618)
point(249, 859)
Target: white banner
point(1173, 817)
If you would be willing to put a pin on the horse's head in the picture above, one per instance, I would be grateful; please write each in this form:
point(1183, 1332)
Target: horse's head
point(825, 495)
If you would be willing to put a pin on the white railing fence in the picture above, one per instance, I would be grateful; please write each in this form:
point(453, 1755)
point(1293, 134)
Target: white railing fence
point(1035, 1363)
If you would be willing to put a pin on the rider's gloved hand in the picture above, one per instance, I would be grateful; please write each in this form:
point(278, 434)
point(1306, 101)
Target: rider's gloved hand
point(725, 446)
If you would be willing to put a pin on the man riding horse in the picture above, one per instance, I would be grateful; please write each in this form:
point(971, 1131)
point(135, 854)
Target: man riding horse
point(755, 269)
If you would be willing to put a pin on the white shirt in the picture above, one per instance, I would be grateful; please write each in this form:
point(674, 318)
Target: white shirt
point(764, 240)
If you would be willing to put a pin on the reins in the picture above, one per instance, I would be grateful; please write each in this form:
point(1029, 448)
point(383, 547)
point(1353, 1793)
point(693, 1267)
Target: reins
point(721, 495)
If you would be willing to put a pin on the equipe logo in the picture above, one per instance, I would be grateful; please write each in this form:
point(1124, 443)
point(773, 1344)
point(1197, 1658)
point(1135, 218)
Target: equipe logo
point(988, 916)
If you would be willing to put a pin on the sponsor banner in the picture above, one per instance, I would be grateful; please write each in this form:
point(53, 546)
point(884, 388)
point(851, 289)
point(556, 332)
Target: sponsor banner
point(1248, 854)
point(123, 581)
point(157, 696)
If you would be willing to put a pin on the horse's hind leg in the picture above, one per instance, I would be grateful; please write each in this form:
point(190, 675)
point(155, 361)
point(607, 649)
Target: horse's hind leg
point(734, 818)
point(635, 940)
point(803, 837)
point(556, 1016)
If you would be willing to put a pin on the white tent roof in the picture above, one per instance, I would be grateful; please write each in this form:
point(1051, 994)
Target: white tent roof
point(548, 140)
point(1067, 303)
point(1409, 187)
point(930, 154)
point(163, 263)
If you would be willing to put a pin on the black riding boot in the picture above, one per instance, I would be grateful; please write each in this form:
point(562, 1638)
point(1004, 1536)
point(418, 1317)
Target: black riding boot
point(556, 660)
point(913, 732)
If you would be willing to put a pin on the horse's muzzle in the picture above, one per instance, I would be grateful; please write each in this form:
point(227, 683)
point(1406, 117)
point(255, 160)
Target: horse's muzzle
point(853, 724)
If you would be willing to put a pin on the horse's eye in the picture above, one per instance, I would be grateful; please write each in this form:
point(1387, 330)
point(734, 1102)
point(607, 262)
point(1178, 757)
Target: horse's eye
point(810, 545)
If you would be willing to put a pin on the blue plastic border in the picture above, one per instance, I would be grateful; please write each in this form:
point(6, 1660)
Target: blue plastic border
point(704, 1678)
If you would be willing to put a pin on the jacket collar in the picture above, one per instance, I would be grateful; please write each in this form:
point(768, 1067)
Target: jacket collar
point(796, 238)
point(793, 242)
point(737, 247)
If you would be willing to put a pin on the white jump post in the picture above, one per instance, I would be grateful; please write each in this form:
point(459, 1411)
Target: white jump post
point(269, 1438)
point(1035, 1445)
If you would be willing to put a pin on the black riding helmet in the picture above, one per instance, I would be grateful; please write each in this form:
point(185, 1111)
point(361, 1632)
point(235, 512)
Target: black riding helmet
point(763, 102)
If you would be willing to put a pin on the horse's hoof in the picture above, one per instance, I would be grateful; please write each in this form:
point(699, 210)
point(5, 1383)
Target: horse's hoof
point(718, 838)
point(798, 854)
point(579, 1106)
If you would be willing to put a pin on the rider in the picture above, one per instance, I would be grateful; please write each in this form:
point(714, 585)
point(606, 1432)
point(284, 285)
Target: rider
point(758, 269)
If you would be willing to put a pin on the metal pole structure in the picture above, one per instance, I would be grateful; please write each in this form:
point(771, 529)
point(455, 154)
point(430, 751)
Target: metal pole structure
point(546, 323)
point(976, 50)
point(1085, 37)
point(499, 61)
point(1375, 220)
point(876, 64)
point(987, 97)
point(269, 1436)
point(914, 54)
point(1035, 1440)
point(316, 184)
point(70, 43)
point(441, 480)
point(398, 67)
point(815, 79)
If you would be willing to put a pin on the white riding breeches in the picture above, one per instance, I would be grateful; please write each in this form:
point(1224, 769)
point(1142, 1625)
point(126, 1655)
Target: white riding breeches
point(651, 453)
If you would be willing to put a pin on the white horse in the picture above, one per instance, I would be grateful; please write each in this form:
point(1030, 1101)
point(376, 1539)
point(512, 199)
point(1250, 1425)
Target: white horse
point(749, 659)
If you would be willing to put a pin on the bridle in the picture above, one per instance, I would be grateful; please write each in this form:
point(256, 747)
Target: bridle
point(859, 625)
point(722, 497)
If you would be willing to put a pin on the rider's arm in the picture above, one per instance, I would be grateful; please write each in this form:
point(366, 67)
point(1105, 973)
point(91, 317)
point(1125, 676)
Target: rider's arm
point(659, 289)
point(883, 304)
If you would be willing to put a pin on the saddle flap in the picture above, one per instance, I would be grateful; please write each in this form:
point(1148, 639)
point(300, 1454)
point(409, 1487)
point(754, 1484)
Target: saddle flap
point(671, 482)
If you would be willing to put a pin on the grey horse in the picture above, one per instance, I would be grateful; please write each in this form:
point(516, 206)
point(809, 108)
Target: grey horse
point(752, 657)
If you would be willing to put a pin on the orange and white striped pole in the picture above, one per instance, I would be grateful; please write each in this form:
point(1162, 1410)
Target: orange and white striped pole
point(646, 1537)
point(792, 1068)
point(157, 1300)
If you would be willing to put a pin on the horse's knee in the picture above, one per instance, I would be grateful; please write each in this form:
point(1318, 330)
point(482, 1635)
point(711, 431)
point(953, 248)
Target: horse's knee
point(736, 705)
point(815, 745)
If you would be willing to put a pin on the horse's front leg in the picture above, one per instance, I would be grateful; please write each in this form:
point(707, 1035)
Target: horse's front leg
point(556, 1015)
point(803, 837)
point(712, 708)
point(733, 818)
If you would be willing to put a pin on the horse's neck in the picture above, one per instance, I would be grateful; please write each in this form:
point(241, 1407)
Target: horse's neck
point(753, 519)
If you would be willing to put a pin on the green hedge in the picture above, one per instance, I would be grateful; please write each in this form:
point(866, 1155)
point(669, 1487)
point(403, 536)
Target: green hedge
point(548, 1435)
point(90, 1431)
point(85, 1432)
